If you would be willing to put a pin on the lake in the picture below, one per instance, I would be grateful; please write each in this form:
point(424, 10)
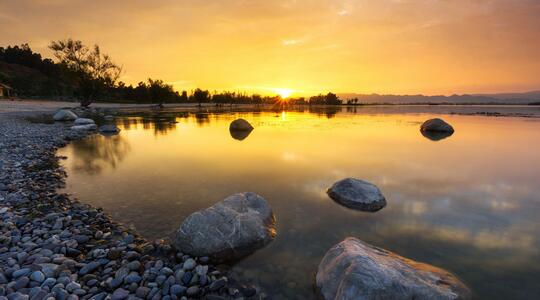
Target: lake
point(468, 203)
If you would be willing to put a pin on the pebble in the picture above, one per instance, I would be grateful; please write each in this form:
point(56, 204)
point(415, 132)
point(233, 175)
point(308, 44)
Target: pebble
point(52, 247)
point(37, 276)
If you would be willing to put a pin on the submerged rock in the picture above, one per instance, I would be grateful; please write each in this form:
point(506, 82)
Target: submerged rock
point(353, 269)
point(84, 127)
point(357, 194)
point(64, 115)
point(230, 229)
point(436, 125)
point(109, 128)
point(83, 121)
point(240, 125)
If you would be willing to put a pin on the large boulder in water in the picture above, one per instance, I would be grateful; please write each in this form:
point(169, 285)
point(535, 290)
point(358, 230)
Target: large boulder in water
point(357, 194)
point(83, 121)
point(228, 230)
point(436, 125)
point(64, 115)
point(240, 125)
point(353, 269)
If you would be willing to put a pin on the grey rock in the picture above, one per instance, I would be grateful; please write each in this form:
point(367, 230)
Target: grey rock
point(89, 267)
point(109, 128)
point(134, 265)
point(37, 276)
point(353, 269)
point(357, 194)
point(84, 121)
point(230, 229)
point(21, 272)
point(201, 270)
point(437, 125)
point(21, 282)
point(133, 278)
point(88, 127)
point(192, 291)
point(216, 285)
point(177, 289)
point(142, 292)
point(119, 294)
point(64, 115)
point(189, 264)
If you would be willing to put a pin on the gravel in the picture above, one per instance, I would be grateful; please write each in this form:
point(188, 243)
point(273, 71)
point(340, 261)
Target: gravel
point(55, 247)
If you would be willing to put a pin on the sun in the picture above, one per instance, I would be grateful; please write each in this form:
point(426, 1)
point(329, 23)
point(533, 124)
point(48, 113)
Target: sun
point(284, 93)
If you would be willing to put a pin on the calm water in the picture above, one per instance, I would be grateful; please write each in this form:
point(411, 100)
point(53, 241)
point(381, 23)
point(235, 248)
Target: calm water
point(469, 203)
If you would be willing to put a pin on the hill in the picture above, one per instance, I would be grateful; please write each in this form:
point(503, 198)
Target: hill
point(511, 98)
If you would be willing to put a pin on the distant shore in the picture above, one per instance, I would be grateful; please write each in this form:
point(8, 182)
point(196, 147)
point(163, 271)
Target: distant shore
point(489, 110)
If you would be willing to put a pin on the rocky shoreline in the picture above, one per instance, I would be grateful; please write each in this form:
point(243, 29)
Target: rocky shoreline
point(54, 247)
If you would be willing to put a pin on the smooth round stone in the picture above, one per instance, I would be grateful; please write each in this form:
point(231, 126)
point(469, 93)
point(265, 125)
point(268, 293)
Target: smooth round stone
point(21, 272)
point(189, 264)
point(120, 294)
point(134, 265)
point(37, 276)
point(64, 115)
point(357, 194)
point(142, 292)
point(192, 291)
point(21, 282)
point(83, 121)
point(87, 127)
point(133, 278)
point(177, 289)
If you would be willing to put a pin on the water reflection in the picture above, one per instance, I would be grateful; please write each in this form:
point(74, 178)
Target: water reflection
point(94, 153)
point(436, 135)
point(475, 212)
point(240, 134)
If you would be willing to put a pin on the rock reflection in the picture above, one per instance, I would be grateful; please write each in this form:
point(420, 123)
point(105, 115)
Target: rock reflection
point(240, 135)
point(202, 118)
point(96, 152)
point(436, 135)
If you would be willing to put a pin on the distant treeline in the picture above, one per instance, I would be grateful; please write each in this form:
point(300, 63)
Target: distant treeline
point(86, 74)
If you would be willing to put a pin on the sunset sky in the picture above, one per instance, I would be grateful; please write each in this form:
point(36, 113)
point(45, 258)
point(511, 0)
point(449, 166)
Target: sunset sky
point(379, 46)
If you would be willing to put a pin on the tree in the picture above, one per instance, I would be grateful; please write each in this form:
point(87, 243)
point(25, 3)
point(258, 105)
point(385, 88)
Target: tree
point(331, 99)
point(201, 96)
point(96, 71)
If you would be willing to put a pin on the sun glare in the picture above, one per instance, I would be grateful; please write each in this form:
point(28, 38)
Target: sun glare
point(284, 93)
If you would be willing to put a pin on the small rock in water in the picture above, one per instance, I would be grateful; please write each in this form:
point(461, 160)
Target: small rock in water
point(64, 115)
point(83, 121)
point(357, 194)
point(88, 127)
point(240, 125)
point(109, 128)
point(436, 125)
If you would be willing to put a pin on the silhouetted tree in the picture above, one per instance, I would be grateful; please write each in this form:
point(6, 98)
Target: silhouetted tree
point(97, 72)
point(201, 96)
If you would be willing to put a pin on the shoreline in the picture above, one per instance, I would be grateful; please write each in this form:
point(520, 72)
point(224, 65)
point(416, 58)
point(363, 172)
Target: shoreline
point(52, 246)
